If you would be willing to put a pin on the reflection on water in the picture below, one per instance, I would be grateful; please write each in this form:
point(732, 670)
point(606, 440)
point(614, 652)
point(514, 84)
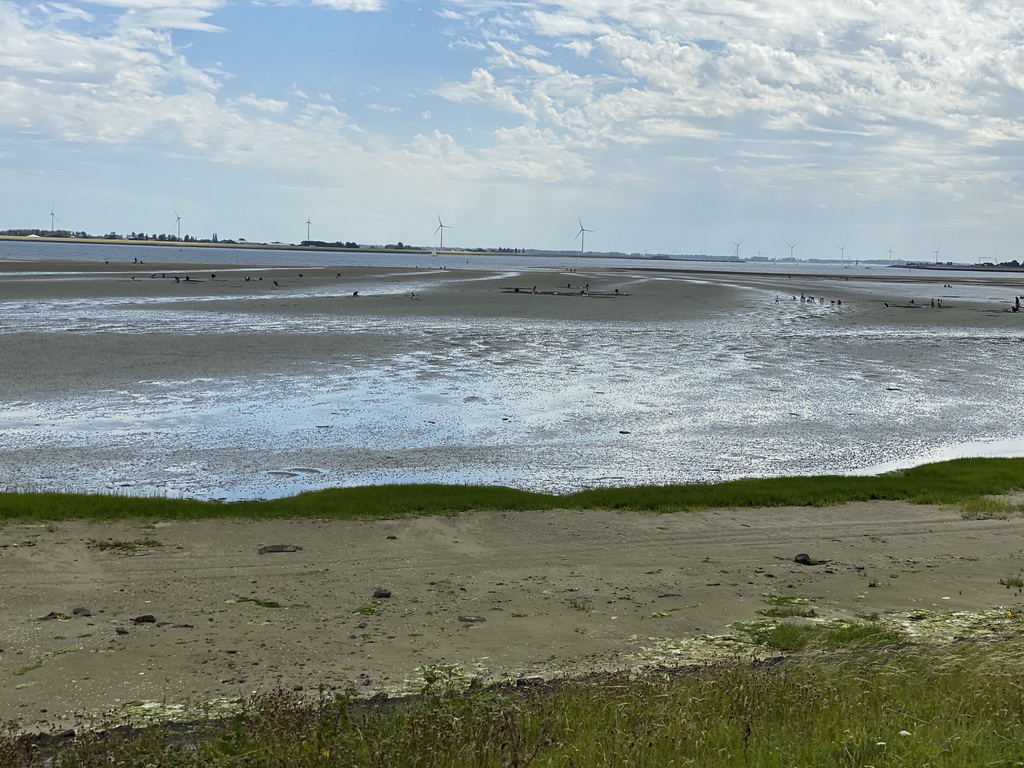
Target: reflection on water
point(542, 405)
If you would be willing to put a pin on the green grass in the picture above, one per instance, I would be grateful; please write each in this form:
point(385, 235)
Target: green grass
point(788, 637)
point(369, 609)
point(964, 483)
point(955, 706)
point(1012, 582)
point(25, 670)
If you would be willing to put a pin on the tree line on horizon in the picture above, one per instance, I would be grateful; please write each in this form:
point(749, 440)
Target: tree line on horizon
point(67, 233)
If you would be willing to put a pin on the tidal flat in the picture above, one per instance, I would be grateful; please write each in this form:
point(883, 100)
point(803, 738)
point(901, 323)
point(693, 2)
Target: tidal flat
point(232, 388)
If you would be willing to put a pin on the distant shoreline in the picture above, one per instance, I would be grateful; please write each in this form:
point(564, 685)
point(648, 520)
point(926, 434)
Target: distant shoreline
point(207, 244)
point(471, 252)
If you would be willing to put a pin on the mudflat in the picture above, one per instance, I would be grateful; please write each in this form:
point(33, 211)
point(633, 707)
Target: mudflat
point(244, 382)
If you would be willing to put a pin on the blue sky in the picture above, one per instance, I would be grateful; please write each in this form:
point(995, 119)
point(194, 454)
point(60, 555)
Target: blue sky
point(677, 127)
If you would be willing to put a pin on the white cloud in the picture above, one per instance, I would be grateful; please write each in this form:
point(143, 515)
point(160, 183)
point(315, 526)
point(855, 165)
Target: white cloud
point(351, 5)
point(926, 94)
point(275, 106)
point(481, 88)
point(581, 48)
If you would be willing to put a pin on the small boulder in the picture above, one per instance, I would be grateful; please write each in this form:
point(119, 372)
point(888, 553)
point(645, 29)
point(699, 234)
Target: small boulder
point(804, 559)
point(380, 594)
point(147, 618)
point(472, 619)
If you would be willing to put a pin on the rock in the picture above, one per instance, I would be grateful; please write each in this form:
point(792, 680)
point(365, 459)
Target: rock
point(273, 548)
point(121, 631)
point(82, 612)
point(472, 619)
point(147, 618)
point(804, 559)
point(381, 593)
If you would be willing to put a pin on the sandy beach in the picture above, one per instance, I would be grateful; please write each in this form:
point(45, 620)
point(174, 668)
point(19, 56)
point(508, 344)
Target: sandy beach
point(502, 596)
point(227, 387)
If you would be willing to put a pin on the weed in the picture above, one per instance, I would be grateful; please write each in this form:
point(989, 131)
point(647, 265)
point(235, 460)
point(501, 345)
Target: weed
point(1012, 582)
point(126, 548)
point(25, 670)
point(369, 609)
point(788, 611)
point(785, 600)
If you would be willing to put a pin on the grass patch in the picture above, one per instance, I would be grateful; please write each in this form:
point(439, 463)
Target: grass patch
point(25, 670)
point(787, 607)
point(369, 609)
point(581, 604)
point(788, 637)
point(964, 483)
point(788, 611)
point(1012, 582)
point(785, 600)
point(131, 548)
point(954, 706)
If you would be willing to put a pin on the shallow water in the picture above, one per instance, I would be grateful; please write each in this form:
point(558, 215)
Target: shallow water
point(536, 404)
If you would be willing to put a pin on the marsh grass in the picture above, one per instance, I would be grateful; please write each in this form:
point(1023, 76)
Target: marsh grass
point(953, 706)
point(967, 484)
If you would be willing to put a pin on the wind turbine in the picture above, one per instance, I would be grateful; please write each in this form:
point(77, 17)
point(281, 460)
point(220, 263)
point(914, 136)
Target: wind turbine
point(177, 222)
point(582, 237)
point(441, 228)
point(53, 216)
point(791, 247)
point(889, 254)
point(738, 248)
point(308, 225)
point(936, 252)
point(842, 253)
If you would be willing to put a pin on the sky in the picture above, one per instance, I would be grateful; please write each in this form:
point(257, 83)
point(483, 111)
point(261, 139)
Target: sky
point(861, 129)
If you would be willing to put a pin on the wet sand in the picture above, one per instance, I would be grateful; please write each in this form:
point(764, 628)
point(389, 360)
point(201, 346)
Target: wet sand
point(220, 387)
point(500, 595)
